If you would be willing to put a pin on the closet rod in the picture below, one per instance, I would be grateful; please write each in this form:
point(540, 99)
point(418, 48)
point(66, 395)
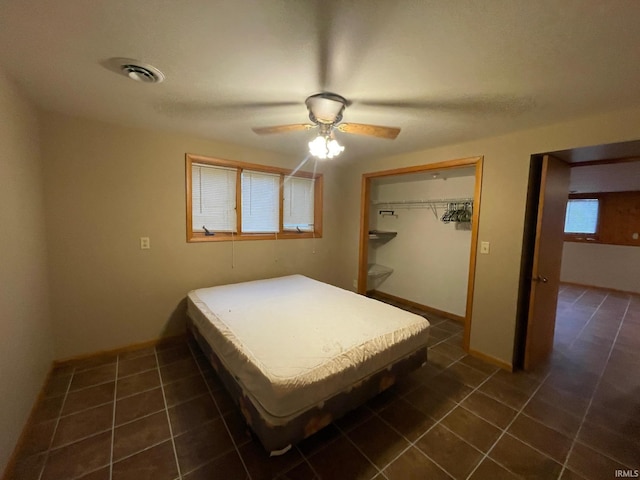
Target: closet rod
point(432, 204)
point(445, 201)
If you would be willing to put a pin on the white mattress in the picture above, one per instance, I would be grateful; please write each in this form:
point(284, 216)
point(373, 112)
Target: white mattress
point(293, 342)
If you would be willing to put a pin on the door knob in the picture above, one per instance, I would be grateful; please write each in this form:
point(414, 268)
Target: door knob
point(540, 278)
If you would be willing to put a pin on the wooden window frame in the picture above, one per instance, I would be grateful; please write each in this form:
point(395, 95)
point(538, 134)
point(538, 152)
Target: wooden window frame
point(198, 237)
point(586, 237)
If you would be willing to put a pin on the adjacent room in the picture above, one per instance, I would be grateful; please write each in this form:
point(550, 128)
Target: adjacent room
point(319, 239)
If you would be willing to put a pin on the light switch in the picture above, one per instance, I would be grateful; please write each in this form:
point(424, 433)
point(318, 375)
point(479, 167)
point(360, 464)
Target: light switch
point(484, 247)
point(145, 243)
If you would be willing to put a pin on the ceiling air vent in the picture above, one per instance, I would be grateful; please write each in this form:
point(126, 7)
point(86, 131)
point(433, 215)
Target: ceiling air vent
point(142, 73)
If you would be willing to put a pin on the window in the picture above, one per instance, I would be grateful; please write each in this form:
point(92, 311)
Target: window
point(260, 202)
point(213, 198)
point(582, 216)
point(229, 200)
point(298, 204)
point(609, 218)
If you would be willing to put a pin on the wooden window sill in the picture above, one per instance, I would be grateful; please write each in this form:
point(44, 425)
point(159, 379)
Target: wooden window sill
point(226, 237)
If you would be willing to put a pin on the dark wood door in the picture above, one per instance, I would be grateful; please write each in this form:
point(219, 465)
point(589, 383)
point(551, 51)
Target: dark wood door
point(547, 259)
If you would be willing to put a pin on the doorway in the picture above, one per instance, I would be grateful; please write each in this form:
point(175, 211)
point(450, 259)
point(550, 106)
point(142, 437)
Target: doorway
point(588, 260)
point(369, 181)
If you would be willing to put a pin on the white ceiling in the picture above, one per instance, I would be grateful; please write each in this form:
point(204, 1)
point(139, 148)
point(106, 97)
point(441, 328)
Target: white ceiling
point(443, 71)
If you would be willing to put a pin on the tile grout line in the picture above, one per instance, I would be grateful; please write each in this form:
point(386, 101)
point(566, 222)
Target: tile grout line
point(587, 322)
point(123, 377)
point(306, 460)
point(113, 418)
point(437, 422)
point(344, 434)
point(482, 453)
point(85, 474)
point(137, 452)
point(579, 297)
point(82, 389)
point(381, 474)
point(550, 427)
point(600, 452)
point(86, 437)
point(166, 410)
point(484, 419)
point(83, 410)
point(128, 422)
point(402, 397)
point(124, 424)
point(486, 455)
point(215, 402)
point(586, 413)
point(55, 429)
point(502, 402)
point(209, 460)
point(146, 370)
point(146, 390)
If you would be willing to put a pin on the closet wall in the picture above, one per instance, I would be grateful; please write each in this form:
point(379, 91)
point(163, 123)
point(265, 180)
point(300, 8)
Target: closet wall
point(429, 258)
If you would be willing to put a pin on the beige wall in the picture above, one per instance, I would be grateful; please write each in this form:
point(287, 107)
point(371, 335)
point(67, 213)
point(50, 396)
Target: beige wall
point(25, 329)
point(107, 186)
point(608, 266)
point(505, 177)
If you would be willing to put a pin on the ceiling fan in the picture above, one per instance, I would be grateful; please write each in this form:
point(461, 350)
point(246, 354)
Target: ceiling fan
point(325, 113)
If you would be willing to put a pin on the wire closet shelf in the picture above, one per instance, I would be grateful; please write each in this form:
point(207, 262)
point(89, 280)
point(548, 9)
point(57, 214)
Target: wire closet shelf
point(433, 204)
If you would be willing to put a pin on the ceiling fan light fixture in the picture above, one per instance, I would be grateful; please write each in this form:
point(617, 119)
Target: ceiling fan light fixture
point(326, 107)
point(323, 147)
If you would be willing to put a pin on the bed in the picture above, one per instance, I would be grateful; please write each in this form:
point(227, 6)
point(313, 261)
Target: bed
point(296, 354)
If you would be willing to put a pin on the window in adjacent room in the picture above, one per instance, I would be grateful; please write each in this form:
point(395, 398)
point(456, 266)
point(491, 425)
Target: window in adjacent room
point(609, 218)
point(228, 200)
point(582, 216)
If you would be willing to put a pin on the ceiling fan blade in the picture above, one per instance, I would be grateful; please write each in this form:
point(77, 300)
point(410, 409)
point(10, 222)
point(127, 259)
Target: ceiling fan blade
point(283, 128)
point(340, 30)
point(371, 130)
point(323, 33)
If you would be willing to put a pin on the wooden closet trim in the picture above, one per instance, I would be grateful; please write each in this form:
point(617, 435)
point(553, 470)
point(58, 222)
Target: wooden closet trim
point(365, 197)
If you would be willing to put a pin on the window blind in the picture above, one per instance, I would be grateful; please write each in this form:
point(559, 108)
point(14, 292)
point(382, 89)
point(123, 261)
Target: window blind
point(298, 204)
point(213, 198)
point(260, 202)
point(582, 216)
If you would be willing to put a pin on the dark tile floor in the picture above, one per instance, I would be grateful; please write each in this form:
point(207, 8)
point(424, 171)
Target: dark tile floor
point(161, 413)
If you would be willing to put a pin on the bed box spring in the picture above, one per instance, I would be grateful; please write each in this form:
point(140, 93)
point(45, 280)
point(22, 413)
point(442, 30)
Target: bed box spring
point(276, 438)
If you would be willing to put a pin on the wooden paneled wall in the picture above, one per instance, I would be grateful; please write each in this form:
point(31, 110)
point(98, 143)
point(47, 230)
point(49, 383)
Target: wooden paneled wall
point(618, 219)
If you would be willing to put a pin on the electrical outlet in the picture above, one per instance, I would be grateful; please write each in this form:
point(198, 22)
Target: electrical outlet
point(484, 247)
point(145, 243)
point(355, 283)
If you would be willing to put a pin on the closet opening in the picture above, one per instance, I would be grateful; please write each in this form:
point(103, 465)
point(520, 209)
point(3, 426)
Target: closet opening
point(419, 236)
